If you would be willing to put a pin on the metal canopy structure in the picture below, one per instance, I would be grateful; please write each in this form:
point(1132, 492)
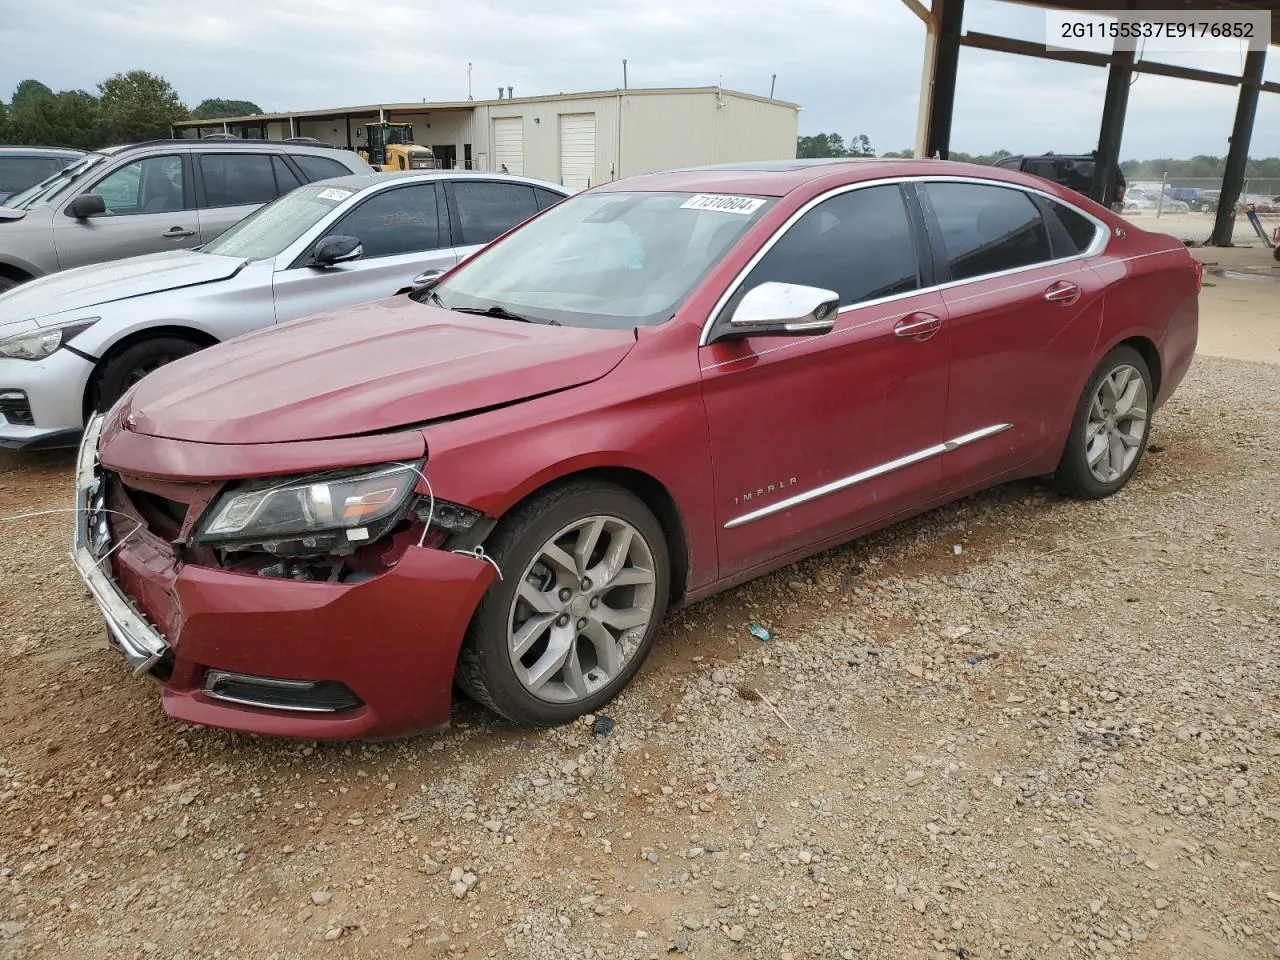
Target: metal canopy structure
point(944, 20)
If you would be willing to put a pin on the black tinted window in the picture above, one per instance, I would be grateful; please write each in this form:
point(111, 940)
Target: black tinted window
point(1043, 168)
point(488, 210)
point(1079, 228)
point(233, 179)
point(319, 168)
point(396, 221)
point(546, 198)
point(988, 229)
point(18, 173)
point(286, 179)
point(857, 244)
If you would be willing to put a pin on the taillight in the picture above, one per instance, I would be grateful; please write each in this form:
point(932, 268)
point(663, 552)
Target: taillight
point(1199, 274)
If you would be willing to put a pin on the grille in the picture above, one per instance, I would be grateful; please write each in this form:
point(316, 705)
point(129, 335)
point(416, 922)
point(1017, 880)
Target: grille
point(16, 408)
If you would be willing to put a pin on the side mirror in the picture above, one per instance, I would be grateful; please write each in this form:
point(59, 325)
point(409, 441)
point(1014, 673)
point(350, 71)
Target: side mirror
point(334, 250)
point(426, 279)
point(87, 205)
point(785, 309)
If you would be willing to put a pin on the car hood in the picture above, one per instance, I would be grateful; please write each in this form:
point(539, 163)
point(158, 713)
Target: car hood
point(376, 367)
point(86, 287)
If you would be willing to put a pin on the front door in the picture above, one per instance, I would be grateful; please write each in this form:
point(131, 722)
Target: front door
point(1025, 312)
point(400, 231)
point(815, 437)
point(150, 208)
point(485, 209)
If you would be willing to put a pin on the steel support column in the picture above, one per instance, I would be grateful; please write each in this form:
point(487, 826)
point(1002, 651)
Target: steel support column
point(927, 80)
point(946, 62)
point(1238, 155)
point(1114, 105)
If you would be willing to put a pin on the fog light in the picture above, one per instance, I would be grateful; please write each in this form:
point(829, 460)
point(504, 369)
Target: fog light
point(16, 408)
point(269, 693)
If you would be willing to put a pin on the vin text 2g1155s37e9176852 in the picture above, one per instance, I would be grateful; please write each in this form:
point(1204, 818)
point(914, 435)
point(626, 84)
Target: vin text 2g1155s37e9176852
point(652, 391)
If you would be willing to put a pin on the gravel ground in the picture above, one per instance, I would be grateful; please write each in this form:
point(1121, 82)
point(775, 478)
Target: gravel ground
point(1018, 727)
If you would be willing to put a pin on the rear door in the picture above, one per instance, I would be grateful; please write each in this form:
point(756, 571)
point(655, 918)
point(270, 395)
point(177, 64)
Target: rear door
point(482, 210)
point(150, 208)
point(403, 231)
point(230, 186)
point(1024, 308)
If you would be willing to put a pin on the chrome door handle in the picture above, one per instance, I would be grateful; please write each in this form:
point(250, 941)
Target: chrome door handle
point(920, 326)
point(1062, 292)
point(177, 233)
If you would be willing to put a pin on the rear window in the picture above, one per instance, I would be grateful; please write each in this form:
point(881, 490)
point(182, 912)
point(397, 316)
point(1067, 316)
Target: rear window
point(319, 168)
point(1080, 228)
point(18, 173)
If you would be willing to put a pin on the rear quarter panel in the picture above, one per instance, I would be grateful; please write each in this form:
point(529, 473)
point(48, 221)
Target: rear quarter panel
point(1152, 292)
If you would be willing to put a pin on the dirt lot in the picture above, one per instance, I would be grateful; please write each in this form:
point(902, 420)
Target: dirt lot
point(1060, 740)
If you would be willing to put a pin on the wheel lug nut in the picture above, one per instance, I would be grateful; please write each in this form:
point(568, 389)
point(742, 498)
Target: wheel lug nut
point(582, 623)
point(565, 594)
point(595, 602)
point(586, 583)
point(562, 620)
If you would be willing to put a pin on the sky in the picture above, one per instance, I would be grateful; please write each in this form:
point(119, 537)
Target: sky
point(853, 65)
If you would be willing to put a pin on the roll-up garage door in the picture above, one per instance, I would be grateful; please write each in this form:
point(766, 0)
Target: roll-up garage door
point(508, 144)
point(577, 149)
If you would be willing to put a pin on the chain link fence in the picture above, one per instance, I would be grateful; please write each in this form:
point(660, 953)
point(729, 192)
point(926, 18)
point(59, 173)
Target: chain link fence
point(1187, 206)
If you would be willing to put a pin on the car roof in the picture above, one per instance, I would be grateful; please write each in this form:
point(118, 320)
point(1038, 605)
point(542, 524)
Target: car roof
point(234, 143)
point(66, 153)
point(777, 178)
point(361, 181)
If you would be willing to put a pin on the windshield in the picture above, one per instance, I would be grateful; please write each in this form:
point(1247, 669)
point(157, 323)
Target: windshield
point(604, 259)
point(50, 187)
point(270, 230)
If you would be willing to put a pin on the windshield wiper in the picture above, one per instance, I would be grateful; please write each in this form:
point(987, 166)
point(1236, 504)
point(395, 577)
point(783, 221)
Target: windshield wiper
point(497, 310)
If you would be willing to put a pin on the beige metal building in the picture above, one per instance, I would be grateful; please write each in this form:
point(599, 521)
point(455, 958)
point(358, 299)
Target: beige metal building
point(577, 139)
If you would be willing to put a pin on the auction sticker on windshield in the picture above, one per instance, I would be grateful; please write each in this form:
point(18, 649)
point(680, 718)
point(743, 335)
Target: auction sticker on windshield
point(333, 193)
point(745, 206)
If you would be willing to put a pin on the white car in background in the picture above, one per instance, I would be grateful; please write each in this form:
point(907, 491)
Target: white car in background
point(76, 341)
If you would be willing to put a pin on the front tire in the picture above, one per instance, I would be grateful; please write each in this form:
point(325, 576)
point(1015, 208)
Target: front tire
point(586, 580)
point(124, 369)
point(1110, 428)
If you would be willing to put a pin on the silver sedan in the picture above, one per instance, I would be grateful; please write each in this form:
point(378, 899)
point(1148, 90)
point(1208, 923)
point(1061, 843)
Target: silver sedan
point(75, 341)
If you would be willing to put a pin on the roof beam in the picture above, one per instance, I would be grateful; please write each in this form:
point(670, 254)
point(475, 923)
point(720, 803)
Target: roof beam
point(987, 41)
point(918, 8)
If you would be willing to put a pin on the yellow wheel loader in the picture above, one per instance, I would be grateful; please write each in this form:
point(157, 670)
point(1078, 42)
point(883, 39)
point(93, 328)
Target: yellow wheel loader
point(390, 146)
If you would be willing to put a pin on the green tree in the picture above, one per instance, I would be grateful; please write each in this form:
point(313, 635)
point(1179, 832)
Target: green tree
point(138, 106)
point(832, 145)
point(214, 109)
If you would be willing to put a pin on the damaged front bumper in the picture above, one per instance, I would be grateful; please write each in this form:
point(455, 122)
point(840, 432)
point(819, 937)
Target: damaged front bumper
point(141, 644)
point(318, 660)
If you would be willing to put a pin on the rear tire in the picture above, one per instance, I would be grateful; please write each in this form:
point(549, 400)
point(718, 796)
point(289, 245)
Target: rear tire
point(9, 281)
point(1110, 428)
point(121, 371)
point(586, 580)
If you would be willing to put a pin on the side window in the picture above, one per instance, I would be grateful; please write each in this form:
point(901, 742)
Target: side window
point(1010, 163)
point(858, 244)
point(402, 220)
point(1081, 230)
point(319, 168)
point(286, 179)
point(151, 185)
point(232, 179)
point(18, 173)
point(488, 210)
point(1043, 168)
point(546, 198)
point(988, 229)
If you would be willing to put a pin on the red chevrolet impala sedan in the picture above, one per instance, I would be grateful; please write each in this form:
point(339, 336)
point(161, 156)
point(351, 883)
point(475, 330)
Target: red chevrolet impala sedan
point(652, 391)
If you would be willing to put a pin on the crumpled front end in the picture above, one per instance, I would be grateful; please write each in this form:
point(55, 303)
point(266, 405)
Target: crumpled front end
point(361, 644)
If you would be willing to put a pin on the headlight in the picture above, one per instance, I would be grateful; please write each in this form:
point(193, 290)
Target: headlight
point(329, 512)
point(38, 344)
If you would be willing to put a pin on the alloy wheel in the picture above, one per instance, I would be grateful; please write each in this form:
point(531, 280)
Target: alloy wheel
point(1117, 423)
point(582, 609)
